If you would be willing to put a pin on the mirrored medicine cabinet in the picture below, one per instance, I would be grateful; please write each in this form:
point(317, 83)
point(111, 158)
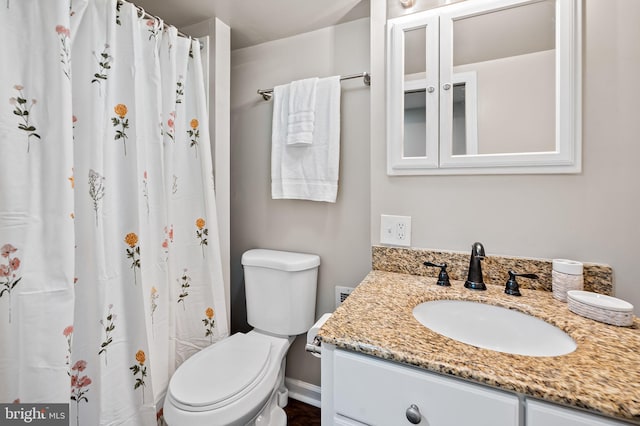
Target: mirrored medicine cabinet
point(485, 87)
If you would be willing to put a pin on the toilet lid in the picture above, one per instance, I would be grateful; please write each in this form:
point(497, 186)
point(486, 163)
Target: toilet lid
point(215, 375)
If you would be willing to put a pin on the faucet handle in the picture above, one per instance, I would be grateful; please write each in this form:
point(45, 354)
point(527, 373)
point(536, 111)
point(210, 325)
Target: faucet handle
point(443, 277)
point(512, 286)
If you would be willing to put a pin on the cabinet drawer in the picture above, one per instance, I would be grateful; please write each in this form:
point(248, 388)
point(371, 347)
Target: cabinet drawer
point(379, 392)
point(544, 414)
point(343, 421)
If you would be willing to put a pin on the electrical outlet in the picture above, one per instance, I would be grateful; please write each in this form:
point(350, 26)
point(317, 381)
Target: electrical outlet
point(395, 230)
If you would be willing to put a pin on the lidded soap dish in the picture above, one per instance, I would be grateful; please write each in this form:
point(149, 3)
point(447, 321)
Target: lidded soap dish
point(599, 307)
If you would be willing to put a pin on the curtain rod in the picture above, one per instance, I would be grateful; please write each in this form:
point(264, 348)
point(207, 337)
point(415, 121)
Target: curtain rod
point(144, 14)
point(268, 93)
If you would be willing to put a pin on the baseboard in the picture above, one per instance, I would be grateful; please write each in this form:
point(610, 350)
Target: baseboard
point(303, 391)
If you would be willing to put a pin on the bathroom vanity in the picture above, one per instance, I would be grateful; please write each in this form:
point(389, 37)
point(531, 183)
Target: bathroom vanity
point(380, 366)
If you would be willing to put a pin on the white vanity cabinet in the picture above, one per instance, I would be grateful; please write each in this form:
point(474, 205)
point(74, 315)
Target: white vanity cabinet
point(362, 390)
point(359, 389)
point(540, 413)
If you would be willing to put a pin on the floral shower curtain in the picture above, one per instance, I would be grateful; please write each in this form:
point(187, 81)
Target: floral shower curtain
point(110, 271)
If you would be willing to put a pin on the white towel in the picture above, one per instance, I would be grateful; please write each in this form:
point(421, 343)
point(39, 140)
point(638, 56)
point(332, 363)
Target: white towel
point(301, 117)
point(307, 172)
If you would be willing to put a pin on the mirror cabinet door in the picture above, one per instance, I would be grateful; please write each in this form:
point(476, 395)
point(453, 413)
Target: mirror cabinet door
point(511, 52)
point(414, 58)
point(505, 59)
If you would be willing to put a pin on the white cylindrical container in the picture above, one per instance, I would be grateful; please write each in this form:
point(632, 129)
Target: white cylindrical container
point(566, 275)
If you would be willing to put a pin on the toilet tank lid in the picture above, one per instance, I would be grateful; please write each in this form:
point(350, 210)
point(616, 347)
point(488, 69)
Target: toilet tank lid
point(281, 260)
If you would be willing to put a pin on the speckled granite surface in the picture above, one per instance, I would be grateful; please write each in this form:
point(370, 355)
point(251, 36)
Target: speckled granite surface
point(597, 277)
point(602, 375)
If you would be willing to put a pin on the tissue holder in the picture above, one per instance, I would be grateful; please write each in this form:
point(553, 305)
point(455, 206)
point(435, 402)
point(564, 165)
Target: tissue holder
point(313, 342)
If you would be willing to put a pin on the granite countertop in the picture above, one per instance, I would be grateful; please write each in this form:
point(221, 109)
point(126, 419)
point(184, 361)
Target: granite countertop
point(601, 375)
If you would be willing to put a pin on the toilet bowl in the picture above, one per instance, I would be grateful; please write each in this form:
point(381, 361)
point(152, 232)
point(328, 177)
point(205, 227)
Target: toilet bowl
point(240, 380)
point(243, 390)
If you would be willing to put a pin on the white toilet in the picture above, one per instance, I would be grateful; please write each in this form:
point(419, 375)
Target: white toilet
point(240, 380)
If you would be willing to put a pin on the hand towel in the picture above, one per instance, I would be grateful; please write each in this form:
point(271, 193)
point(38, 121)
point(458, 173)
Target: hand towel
point(310, 172)
point(301, 117)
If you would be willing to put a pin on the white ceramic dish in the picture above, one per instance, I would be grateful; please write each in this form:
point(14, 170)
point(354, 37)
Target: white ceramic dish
point(600, 301)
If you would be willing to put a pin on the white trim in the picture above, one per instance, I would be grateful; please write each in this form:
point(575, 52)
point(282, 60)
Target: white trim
point(303, 391)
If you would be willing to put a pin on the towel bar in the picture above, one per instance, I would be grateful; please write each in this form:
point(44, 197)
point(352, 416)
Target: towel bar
point(268, 93)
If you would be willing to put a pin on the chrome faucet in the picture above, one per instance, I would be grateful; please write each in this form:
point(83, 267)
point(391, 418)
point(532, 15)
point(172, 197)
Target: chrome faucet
point(474, 279)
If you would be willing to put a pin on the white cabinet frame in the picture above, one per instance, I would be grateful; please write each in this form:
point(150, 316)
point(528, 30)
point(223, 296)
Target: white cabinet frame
point(439, 159)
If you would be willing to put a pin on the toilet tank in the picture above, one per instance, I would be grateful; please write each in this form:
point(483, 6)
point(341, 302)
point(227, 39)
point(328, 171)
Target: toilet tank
point(280, 290)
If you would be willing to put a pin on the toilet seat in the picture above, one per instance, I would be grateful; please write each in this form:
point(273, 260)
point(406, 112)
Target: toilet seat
point(220, 374)
point(189, 402)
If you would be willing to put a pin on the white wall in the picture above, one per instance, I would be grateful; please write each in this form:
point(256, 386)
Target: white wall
point(593, 216)
point(338, 232)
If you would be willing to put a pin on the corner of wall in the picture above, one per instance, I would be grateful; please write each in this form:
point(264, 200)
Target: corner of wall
point(378, 128)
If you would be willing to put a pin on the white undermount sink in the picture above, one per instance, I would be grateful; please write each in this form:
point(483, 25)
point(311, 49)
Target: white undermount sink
point(494, 327)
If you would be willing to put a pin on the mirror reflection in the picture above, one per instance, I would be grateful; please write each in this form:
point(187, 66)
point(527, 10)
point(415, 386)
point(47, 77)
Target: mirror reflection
point(511, 53)
point(415, 50)
point(459, 128)
point(415, 105)
point(415, 124)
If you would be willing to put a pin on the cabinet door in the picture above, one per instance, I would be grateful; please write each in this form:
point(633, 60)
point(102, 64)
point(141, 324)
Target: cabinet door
point(413, 103)
point(379, 392)
point(545, 414)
